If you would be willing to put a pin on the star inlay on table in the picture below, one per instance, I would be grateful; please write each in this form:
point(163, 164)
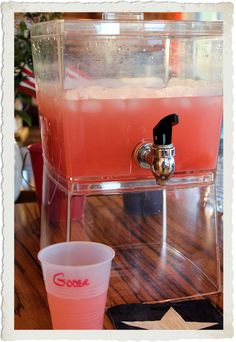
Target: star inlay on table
point(178, 315)
point(170, 321)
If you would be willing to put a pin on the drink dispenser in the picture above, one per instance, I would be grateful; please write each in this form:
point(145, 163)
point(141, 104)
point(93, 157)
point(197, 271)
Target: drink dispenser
point(130, 115)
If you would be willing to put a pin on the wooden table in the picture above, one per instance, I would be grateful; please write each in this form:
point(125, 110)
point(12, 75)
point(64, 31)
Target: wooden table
point(143, 271)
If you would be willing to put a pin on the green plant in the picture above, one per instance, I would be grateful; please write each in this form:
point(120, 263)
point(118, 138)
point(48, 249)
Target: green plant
point(23, 58)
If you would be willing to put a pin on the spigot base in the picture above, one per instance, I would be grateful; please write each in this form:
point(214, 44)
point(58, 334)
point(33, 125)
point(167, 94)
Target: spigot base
point(160, 158)
point(142, 155)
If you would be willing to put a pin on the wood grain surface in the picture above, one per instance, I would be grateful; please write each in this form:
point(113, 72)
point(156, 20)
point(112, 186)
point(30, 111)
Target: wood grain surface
point(145, 269)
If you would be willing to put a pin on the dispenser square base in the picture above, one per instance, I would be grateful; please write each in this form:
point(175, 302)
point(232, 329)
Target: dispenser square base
point(166, 242)
point(155, 272)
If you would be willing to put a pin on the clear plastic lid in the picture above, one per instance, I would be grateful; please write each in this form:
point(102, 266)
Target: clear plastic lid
point(128, 28)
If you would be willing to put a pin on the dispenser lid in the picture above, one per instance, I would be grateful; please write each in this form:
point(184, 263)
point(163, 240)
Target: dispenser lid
point(124, 26)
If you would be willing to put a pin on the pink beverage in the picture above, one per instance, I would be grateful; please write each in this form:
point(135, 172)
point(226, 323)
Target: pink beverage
point(95, 139)
point(78, 314)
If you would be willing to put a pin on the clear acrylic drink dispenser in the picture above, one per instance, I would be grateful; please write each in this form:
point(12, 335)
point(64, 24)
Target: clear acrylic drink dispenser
point(131, 113)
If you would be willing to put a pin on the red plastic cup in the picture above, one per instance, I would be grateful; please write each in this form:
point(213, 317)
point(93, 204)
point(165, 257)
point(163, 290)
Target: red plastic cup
point(36, 156)
point(59, 206)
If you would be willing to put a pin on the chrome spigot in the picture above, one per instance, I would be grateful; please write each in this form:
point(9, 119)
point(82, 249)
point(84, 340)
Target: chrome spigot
point(159, 156)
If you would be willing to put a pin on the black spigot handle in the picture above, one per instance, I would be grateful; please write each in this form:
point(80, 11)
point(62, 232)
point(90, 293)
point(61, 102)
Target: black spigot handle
point(162, 132)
